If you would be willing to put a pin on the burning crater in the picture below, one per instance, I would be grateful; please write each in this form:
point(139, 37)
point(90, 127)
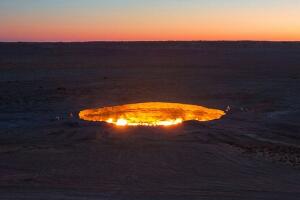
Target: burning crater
point(151, 114)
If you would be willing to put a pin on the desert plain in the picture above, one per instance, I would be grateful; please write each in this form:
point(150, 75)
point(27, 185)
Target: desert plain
point(47, 152)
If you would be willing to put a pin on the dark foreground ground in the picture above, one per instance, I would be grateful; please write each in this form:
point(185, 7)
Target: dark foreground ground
point(46, 152)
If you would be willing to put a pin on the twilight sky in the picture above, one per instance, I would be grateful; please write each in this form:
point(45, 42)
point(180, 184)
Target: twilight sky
point(89, 20)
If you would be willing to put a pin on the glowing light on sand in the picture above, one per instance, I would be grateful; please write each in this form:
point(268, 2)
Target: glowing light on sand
point(151, 114)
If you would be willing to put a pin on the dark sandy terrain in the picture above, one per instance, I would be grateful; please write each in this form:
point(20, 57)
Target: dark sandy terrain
point(46, 152)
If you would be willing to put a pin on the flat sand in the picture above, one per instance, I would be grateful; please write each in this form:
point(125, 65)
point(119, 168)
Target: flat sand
point(253, 152)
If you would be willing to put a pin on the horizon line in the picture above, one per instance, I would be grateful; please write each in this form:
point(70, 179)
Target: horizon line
point(135, 41)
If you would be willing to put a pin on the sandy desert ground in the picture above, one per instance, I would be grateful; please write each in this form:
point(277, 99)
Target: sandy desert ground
point(46, 152)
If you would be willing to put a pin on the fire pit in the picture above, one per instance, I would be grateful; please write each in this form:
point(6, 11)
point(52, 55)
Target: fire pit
point(151, 114)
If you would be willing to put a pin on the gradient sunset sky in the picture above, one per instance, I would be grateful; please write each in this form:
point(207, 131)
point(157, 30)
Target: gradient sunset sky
point(91, 20)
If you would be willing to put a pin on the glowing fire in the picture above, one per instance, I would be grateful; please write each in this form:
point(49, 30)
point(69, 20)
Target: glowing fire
point(151, 114)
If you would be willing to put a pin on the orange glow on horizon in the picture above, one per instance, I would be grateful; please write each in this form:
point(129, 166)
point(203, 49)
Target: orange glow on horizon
point(176, 35)
point(180, 20)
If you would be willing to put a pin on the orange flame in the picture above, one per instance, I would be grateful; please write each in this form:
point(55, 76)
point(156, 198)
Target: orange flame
point(151, 114)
